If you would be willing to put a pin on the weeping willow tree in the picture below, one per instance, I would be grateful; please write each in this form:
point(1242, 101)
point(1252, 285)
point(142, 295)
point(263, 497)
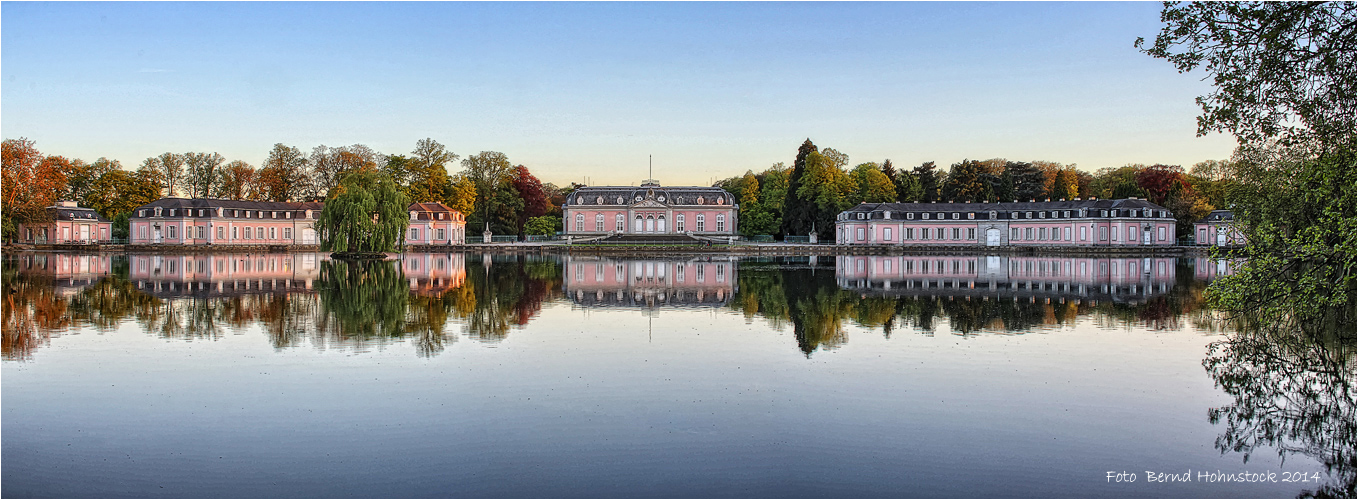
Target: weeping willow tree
point(364, 213)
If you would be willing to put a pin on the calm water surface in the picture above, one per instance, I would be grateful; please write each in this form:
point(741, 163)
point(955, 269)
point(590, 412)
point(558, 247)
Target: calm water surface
point(462, 375)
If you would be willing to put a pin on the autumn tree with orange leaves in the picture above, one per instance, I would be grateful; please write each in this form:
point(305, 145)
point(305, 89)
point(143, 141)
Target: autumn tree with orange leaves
point(29, 183)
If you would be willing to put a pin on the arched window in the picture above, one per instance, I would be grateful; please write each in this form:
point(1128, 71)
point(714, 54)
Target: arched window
point(701, 221)
point(579, 222)
point(721, 222)
point(660, 223)
point(679, 223)
point(621, 224)
point(638, 224)
point(650, 223)
point(599, 223)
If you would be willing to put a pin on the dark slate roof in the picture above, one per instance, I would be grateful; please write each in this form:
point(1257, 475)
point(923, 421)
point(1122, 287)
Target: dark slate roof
point(876, 210)
point(1219, 216)
point(74, 213)
point(628, 195)
point(213, 203)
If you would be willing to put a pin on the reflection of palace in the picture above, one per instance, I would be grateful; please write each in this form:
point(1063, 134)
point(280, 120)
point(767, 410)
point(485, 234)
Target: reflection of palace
point(69, 272)
point(606, 282)
point(222, 274)
point(1208, 269)
point(1117, 279)
point(434, 273)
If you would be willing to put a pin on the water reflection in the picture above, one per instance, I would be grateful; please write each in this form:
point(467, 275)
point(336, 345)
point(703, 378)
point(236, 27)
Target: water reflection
point(308, 298)
point(650, 283)
point(1293, 392)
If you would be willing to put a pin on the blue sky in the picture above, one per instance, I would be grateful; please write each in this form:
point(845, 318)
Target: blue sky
point(590, 89)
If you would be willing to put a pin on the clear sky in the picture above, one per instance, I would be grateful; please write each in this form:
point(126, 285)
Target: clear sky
point(575, 90)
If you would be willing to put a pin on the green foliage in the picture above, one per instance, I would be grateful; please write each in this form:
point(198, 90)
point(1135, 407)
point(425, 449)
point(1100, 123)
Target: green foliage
point(908, 188)
point(929, 183)
point(871, 185)
point(365, 213)
point(1298, 217)
point(543, 226)
point(969, 181)
point(1067, 185)
point(122, 225)
point(827, 189)
point(798, 212)
point(1280, 69)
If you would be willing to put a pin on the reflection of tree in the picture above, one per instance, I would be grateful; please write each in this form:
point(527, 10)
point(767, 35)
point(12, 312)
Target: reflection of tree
point(508, 293)
point(362, 298)
point(817, 307)
point(1292, 391)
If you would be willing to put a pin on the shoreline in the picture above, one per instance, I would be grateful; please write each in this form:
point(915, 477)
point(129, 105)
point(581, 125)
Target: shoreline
point(757, 249)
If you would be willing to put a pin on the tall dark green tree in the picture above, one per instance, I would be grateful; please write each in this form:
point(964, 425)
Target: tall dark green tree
point(365, 213)
point(929, 182)
point(798, 213)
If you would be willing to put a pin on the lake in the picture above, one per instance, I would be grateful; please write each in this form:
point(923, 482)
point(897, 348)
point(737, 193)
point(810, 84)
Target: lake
point(469, 375)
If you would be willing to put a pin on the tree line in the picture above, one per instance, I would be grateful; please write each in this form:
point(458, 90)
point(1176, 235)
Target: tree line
point(808, 196)
point(489, 189)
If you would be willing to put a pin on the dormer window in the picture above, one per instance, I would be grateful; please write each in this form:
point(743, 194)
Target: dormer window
point(412, 215)
point(956, 215)
point(971, 215)
point(579, 200)
point(638, 198)
point(700, 200)
point(994, 214)
point(157, 211)
point(599, 200)
point(141, 213)
point(619, 200)
point(441, 215)
point(1103, 213)
point(1028, 215)
point(862, 216)
point(1066, 214)
point(925, 216)
point(287, 215)
point(910, 216)
point(886, 214)
point(721, 200)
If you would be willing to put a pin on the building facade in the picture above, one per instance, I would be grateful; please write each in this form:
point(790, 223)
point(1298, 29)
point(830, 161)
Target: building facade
point(1093, 222)
point(69, 224)
point(649, 209)
point(1217, 230)
point(207, 221)
point(435, 224)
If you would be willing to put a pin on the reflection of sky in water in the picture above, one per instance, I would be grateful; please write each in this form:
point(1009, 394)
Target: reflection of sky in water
point(626, 401)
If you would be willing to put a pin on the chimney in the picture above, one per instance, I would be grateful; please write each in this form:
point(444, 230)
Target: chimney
point(1093, 198)
point(1077, 198)
point(1032, 200)
point(1063, 199)
point(69, 204)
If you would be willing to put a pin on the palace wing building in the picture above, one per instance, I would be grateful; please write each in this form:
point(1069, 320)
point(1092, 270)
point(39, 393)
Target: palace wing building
point(1093, 222)
point(651, 209)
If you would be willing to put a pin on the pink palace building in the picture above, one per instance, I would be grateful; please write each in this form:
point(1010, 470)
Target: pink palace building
point(208, 221)
point(649, 210)
point(1093, 222)
point(69, 224)
point(1217, 229)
